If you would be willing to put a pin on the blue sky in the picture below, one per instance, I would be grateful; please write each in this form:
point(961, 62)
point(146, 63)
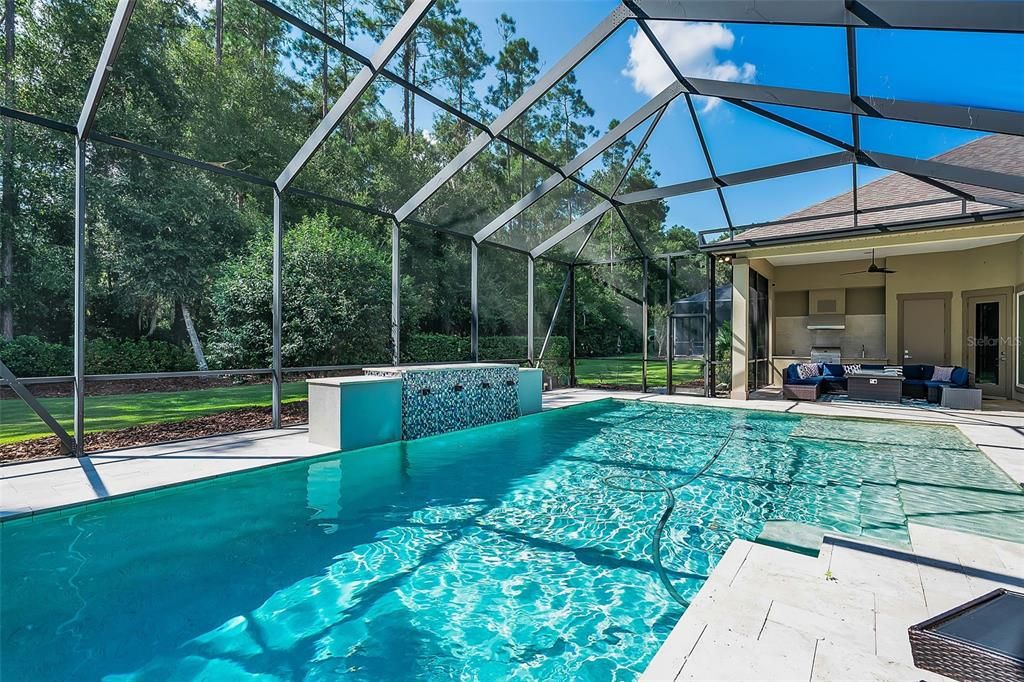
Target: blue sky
point(965, 69)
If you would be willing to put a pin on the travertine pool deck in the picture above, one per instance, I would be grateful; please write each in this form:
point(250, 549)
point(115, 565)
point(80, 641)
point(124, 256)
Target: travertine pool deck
point(764, 613)
point(771, 614)
point(32, 487)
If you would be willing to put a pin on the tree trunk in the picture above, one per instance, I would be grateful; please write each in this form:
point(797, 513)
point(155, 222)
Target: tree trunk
point(9, 200)
point(324, 60)
point(412, 98)
point(406, 74)
point(197, 347)
point(218, 20)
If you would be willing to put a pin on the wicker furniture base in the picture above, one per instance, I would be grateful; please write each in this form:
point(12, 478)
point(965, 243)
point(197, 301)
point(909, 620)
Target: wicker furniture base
point(801, 391)
point(961, 398)
point(963, 659)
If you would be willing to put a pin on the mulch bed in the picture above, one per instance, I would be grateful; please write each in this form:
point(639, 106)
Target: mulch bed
point(165, 385)
point(211, 425)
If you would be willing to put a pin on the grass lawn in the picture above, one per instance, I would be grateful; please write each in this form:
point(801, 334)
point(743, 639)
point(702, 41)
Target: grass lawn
point(106, 412)
point(627, 370)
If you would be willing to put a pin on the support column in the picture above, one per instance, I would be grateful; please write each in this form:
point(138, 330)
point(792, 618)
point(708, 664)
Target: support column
point(572, 325)
point(530, 275)
point(668, 326)
point(644, 329)
point(474, 301)
point(275, 363)
point(740, 327)
point(711, 331)
point(79, 315)
point(396, 293)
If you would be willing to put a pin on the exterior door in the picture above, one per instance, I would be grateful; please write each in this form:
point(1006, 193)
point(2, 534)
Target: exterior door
point(986, 326)
point(924, 329)
point(757, 346)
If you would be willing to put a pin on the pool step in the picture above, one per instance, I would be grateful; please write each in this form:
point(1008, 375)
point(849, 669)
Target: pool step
point(881, 514)
point(792, 536)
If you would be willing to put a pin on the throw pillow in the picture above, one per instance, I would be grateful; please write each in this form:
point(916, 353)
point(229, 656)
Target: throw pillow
point(943, 373)
point(807, 370)
point(850, 369)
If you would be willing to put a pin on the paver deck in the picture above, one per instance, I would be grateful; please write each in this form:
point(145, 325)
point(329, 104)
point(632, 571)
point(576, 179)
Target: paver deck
point(770, 614)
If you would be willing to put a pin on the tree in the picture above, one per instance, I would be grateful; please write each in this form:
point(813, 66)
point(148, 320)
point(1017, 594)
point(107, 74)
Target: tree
point(8, 202)
point(460, 62)
point(161, 235)
point(336, 305)
point(567, 112)
point(518, 66)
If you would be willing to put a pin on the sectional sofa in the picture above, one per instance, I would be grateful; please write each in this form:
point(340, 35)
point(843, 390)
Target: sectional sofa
point(917, 379)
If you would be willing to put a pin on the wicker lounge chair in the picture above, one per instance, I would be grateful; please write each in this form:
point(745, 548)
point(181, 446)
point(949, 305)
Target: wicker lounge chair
point(980, 640)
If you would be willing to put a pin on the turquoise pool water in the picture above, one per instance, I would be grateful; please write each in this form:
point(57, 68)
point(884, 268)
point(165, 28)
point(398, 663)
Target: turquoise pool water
point(488, 554)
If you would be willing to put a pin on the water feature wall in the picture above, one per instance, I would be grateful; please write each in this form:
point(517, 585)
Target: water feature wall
point(386, 404)
point(447, 398)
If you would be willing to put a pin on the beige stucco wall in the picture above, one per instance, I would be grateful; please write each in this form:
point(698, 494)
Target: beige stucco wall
point(1000, 265)
point(988, 267)
point(956, 272)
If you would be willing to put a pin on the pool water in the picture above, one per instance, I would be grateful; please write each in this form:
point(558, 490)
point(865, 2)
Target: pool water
point(494, 553)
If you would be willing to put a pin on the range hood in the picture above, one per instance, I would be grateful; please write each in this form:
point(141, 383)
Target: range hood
point(835, 322)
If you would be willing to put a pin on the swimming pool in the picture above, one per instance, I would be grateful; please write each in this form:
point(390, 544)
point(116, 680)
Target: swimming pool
point(486, 554)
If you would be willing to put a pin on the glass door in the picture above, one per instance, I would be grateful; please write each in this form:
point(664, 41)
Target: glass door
point(987, 326)
point(758, 375)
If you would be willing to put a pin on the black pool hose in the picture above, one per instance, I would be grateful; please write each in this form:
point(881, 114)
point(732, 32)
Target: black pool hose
point(669, 492)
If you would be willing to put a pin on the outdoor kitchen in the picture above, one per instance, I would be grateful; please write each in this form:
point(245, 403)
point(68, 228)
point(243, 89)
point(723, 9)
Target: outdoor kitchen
point(830, 325)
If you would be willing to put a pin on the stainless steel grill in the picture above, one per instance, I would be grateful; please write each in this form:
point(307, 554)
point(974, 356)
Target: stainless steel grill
point(829, 355)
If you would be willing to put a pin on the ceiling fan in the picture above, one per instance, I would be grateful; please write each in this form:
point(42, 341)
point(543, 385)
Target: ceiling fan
point(872, 269)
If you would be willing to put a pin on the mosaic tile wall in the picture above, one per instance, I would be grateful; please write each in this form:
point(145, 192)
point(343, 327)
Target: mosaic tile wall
point(452, 399)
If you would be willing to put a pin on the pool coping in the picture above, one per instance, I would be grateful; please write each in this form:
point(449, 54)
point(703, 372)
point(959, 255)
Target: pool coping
point(558, 400)
point(124, 454)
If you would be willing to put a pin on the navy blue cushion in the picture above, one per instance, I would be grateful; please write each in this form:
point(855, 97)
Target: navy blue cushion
point(917, 371)
point(872, 366)
point(791, 374)
point(834, 370)
point(960, 376)
point(914, 382)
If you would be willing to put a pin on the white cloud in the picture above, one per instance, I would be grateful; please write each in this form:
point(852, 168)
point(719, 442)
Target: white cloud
point(692, 47)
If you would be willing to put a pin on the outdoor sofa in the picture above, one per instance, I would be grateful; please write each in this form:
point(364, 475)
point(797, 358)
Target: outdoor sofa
point(917, 379)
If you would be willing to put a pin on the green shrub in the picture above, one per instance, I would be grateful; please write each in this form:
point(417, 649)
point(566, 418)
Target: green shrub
point(30, 356)
point(504, 347)
point(447, 347)
point(127, 356)
point(336, 300)
point(723, 352)
point(556, 358)
point(435, 348)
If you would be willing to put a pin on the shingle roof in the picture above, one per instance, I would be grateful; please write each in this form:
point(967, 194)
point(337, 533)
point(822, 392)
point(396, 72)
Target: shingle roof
point(1003, 153)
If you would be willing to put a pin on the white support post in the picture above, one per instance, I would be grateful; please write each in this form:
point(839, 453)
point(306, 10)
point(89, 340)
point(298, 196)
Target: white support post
point(740, 327)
